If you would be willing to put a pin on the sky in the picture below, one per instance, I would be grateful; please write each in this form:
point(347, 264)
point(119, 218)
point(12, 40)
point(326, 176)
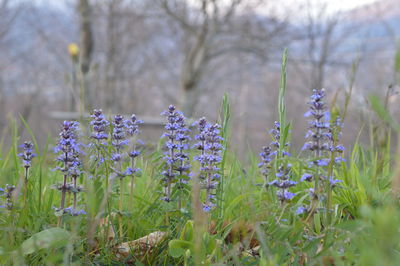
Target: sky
point(343, 5)
point(332, 5)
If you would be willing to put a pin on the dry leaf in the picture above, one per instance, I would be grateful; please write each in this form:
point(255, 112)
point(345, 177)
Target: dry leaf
point(141, 245)
point(252, 252)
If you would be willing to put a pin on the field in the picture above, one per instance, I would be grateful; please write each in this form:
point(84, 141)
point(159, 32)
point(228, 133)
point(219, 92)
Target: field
point(99, 196)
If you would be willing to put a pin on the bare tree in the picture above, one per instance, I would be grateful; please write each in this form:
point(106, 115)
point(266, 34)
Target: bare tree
point(8, 14)
point(324, 34)
point(212, 29)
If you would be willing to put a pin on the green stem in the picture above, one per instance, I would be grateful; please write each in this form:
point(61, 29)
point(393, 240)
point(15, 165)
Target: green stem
point(120, 207)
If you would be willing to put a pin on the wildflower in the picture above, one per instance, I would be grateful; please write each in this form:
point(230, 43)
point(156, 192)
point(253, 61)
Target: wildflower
point(301, 210)
point(333, 181)
point(210, 145)
point(321, 134)
point(132, 126)
point(267, 155)
point(338, 149)
point(176, 158)
point(132, 130)
point(99, 135)
point(119, 136)
point(285, 195)
point(270, 152)
point(100, 126)
point(182, 138)
point(7, 193)
point(69, 150)
point(283, 183)
point(306, 177)
point(27, 155)
point(119, 142)
point(74, 212)
point(319, 125)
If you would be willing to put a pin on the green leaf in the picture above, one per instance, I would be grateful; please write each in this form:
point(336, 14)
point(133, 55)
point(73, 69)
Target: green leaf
point(50, 238)
point(317, 223)
point(187, 231)
point(381, 111)
point(177, 248)
point(235, 202)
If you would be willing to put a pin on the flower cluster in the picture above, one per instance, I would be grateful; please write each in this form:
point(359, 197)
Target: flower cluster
point(337, 149)
point(69, 150)
point(283, 183)
point(119, 140)
point(182, 137)
point(99, 134)
point(74, 212)
point(27, 155)
point(267, 155)
point(283, 173)
point(210, 145)
point(7, 193)
point(322, 135)
point(133, 125)
point(121, 129)
point(133, 129)
point(270, 152)
point(176, 159)
point(319, 127)
point(100, 126)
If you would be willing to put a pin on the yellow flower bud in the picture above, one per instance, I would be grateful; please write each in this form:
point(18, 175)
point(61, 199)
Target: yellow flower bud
point(73, 50)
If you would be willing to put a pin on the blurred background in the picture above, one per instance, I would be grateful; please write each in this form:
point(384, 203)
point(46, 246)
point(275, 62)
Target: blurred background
point(59, 59)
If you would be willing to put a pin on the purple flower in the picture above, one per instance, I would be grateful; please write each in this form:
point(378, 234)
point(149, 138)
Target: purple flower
point(7, 193)
point(322, 162)
point(284, 195)
point(121, 129)
point(283, 183)
point(133, 154)
point(27, 154)
point(319, 125)
point(69, 150)
point(210, 146)
point(339, 148)
point(322, 140)
point(333, 181)
point(118, 135)
point(133, 125)
point(99, 126)
point(270, 152)
point(339, 160)
point(306, 177)
point(99, 135)
point(208, 207)
point(301, 210)
point(176, 158)
point(74, 212)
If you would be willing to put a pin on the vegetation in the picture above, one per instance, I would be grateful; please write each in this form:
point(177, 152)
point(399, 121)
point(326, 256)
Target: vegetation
point(221, 211)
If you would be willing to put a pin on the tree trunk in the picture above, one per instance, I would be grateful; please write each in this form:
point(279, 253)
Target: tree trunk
point(86, 50)
point(189, 98)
